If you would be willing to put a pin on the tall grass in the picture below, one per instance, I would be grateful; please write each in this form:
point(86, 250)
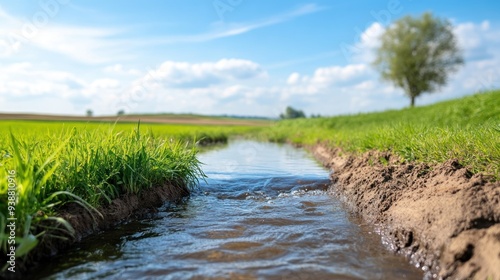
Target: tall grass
point(87, 166)
point(467, 129)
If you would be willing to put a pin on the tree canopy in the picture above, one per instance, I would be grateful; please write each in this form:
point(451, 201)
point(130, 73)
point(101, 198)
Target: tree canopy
point(291, 113)
point(418, 54)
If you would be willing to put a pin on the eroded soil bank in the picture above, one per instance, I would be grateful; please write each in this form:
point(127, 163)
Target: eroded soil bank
point(84, 223)
point(446, 220)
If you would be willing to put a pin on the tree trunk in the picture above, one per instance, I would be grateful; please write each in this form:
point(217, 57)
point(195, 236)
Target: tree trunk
point(412, 101)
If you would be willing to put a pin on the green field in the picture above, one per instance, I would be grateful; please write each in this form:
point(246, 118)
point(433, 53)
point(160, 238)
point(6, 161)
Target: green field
point(467, 129)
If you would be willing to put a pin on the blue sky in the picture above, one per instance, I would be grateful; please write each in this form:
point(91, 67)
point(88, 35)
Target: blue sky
point(222, 56)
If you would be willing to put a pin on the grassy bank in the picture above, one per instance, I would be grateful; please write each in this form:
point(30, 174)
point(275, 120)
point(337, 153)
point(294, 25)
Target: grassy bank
point(44, 165)
point(467, 129)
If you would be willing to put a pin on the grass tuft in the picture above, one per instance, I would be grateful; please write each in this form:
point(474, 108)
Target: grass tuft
point(88, 166)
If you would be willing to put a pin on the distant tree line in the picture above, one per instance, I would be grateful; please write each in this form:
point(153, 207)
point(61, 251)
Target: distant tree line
point(291, 113)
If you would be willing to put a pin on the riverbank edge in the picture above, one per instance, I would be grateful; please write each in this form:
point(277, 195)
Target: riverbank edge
point(445, 220)
point(85, 223)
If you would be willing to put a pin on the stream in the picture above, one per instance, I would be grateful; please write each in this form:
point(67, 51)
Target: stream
point(263, 213)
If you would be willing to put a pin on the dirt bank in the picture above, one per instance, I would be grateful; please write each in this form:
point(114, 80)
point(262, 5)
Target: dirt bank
point(119, 210)
point(446, 220)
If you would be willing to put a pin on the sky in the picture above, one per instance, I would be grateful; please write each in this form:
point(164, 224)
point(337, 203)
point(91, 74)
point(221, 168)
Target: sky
point(235, 57)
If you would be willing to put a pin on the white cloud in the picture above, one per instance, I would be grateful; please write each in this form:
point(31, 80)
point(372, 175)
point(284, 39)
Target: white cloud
point(9, 42)
point(231, 91)
point(333, 78)
point(479, 41)
point(23, 79)
point(120, 70)
point(87, 45)
point(236, 99)
point(293, 79)
point(363, 50)
point(105, 83)
point(84, 44)
point(481, 45)
point(470, 34)
point(369, 42)
point(173, 87)
point(24, 84)
point(339, 75)
point(173, 74)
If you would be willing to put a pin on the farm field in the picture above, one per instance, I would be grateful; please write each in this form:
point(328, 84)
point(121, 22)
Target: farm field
point(145, 118)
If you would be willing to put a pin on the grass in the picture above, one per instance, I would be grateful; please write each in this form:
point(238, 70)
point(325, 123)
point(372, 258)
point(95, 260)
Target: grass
point(467, 129)
point(52, 163)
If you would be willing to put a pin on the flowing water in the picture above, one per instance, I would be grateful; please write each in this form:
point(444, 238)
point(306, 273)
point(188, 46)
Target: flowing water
point(263, 213)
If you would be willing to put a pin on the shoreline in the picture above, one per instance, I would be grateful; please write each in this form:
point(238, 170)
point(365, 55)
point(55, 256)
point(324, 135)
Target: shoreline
point(445, 220)
point(120, 210)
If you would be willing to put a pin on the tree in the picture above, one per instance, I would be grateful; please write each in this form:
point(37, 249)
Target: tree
point(120, 113)
point(418, 54)
point(291, 113)
point(90, 113)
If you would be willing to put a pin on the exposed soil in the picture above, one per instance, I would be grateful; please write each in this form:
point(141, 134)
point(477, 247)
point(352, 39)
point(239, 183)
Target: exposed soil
point(84, 223)
point(443, 218)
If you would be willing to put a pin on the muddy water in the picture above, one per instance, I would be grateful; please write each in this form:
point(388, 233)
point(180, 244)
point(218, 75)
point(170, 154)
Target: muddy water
point(262, 214)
